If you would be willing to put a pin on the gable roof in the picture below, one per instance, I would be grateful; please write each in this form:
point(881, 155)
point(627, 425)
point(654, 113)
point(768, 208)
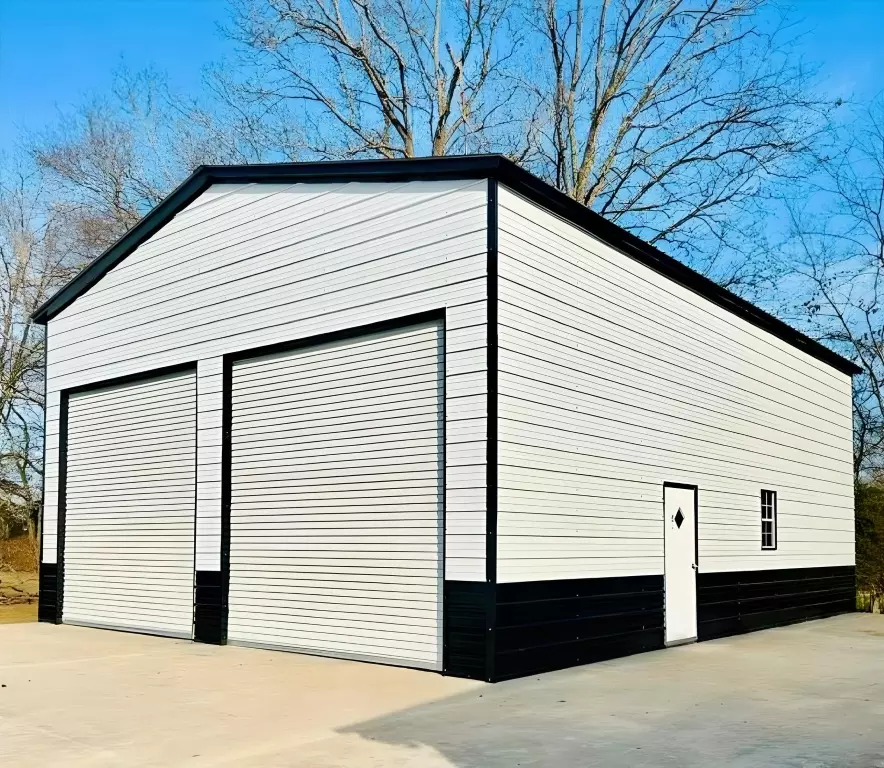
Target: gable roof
point(437, 168)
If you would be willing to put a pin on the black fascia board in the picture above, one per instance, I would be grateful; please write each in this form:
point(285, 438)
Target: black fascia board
point(434, 169)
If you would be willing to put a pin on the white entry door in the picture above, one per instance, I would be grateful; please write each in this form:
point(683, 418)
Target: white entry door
point(680, 563)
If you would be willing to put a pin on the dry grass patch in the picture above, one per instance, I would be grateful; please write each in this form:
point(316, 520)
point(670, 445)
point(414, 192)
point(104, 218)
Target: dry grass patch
point(19, 582)
point(17, 613)
point(18, 554)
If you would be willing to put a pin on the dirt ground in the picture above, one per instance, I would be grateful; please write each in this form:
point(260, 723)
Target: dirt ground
point(18, 597)
point(18, 581)
point(16, 613)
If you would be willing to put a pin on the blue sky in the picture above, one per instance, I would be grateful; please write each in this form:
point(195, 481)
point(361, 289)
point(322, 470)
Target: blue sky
point(55, 53)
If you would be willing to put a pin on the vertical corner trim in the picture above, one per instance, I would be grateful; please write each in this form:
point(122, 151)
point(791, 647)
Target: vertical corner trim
point(491, 429)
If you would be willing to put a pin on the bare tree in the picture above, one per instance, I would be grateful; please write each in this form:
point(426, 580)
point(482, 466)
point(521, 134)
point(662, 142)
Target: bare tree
point(110, 161)
point(71, 193)
point(35, 262)
point(391, 78)
point(870, 545)
point(672, 118)
point(836, 253)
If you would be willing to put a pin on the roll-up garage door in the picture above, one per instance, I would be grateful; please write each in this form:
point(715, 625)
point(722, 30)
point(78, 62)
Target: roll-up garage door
point(130, 505)
point(336, 498)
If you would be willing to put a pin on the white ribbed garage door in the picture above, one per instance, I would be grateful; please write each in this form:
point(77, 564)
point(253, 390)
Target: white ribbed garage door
point(336, 499)
point(130, 506)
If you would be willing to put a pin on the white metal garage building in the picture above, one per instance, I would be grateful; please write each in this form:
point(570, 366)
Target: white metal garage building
point(432, 413)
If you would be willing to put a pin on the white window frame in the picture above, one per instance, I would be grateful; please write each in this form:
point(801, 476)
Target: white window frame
point(768, 516)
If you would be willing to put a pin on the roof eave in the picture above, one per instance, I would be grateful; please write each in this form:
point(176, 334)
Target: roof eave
point(612, 234)
point(180, 197)
point(436, 168)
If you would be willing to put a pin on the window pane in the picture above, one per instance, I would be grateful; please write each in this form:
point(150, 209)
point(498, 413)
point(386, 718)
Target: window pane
point(768, 519)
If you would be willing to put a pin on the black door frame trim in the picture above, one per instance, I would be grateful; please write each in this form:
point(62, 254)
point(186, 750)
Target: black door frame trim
point(344, 334)
point(329, 337)
point(132, 378)
point(696, 490)
point(62, 505)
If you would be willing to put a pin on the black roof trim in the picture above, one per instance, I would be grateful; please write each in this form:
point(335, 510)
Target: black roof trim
point(436, 168)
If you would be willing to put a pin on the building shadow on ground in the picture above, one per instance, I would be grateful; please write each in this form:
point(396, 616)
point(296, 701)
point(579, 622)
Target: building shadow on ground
point(709, 705)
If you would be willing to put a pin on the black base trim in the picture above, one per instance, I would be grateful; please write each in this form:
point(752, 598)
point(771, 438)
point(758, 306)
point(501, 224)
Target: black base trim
point(744, 601)
point(547, 625)
point(540, 626)
point(208, 626)
point(466, 617)
point(47, 603)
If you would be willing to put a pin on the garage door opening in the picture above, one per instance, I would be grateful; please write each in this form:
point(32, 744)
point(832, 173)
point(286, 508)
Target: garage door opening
point(337, 496)
point(130, 503)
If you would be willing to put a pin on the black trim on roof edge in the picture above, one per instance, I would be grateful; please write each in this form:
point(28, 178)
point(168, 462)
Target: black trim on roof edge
point(437, 168)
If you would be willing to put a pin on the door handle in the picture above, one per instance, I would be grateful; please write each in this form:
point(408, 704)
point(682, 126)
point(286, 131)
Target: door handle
point(695, 566)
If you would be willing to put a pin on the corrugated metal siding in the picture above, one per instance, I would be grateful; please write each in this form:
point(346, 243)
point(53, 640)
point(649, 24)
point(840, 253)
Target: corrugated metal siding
point(131, 504)
point(337, 498)
point(613, 380)
point(730, 603)
point(246, 266)
point(546, 624)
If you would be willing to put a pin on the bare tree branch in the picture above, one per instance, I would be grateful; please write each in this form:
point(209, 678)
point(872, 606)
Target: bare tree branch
point(671, 117)
point(835, 249)
point(35, 261)
point(395, 78)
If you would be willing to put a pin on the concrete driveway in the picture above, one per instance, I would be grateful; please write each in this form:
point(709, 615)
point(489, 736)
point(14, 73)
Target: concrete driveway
point(808, 695)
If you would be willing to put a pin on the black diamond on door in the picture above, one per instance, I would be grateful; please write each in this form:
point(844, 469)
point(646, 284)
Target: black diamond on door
point(679, 518)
